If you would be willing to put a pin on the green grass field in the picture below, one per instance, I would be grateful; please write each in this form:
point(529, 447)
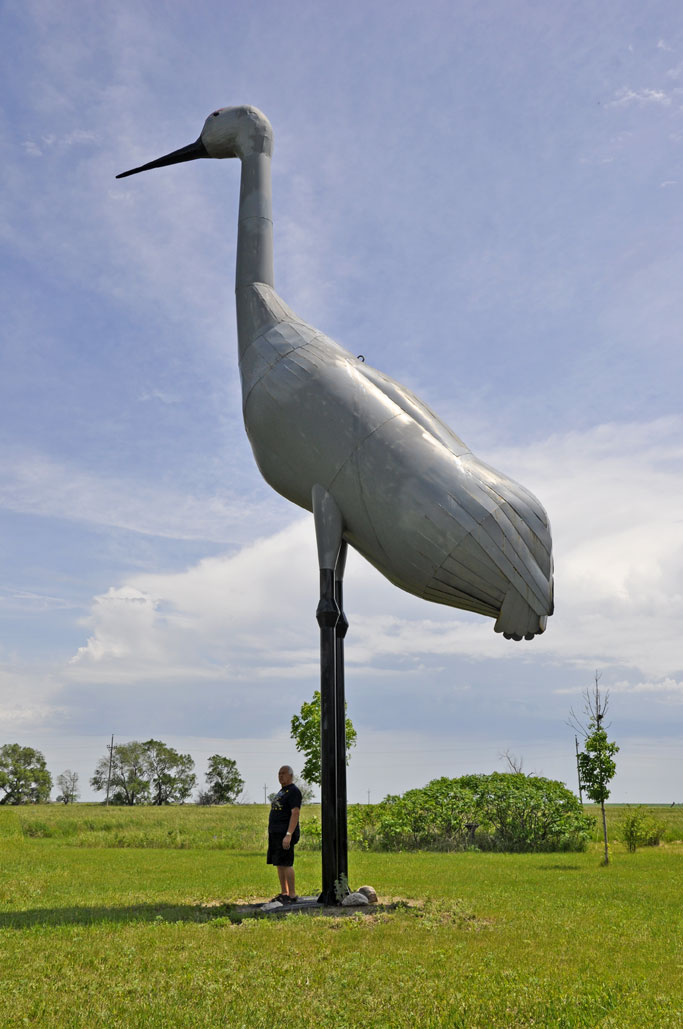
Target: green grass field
point(125, 917)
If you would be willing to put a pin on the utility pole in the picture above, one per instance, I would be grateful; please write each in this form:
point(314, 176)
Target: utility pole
point(368, 796)
point(265, 798)
point(110, 748)
point(578, 770)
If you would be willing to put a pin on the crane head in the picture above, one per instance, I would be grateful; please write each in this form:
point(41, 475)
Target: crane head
point(227, 132)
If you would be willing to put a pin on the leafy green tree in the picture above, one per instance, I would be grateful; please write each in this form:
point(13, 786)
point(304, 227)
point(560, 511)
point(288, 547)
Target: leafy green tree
point(305, 731)
point(596, 762)
point(145, 773)
point(68, 786)
point(224, 781)
point(129, 781)
point(171, 779)
point(24, 779)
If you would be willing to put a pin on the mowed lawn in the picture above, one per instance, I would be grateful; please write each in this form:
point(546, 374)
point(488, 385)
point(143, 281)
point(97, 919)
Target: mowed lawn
point(152, 930)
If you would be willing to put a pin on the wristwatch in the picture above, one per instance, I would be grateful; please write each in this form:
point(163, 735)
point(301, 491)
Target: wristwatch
point(288, 833)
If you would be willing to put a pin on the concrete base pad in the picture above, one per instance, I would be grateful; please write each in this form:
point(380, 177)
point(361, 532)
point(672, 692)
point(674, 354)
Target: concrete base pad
point(301, 904)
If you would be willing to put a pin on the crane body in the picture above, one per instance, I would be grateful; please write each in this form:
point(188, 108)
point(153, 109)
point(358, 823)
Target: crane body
point(415, 501)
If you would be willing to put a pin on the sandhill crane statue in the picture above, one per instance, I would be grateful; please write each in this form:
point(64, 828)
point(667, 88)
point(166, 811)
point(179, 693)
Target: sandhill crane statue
point(377, 468)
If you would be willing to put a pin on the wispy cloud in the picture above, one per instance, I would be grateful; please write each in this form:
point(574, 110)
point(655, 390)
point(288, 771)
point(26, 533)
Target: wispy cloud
point(20, 599)
point(640, 97)
point(75, 137)
point(35, 484)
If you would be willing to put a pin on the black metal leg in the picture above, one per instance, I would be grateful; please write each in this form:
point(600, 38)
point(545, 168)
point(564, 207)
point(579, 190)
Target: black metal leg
point(329, 528)
point(340, 719)
point(327, 616)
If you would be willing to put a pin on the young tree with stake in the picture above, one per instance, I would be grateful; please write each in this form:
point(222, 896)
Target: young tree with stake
point(596, 761)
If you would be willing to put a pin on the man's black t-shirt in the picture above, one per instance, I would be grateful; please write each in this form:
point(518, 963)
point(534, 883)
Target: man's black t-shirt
point(281, 808)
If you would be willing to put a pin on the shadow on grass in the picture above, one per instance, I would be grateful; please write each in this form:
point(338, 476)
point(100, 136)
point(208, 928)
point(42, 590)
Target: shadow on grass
point(169, 913)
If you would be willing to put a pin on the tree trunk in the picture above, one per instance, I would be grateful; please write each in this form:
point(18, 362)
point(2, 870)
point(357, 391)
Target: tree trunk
point(604, 832)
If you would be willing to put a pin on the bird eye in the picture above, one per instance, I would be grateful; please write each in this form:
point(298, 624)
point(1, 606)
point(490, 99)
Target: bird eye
point(216, 113)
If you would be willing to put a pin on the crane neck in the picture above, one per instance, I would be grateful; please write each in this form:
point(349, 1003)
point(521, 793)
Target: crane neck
point(258, 306)
point(255, 225)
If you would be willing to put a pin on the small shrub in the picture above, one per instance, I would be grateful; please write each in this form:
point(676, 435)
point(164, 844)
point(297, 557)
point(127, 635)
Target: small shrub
point(37, 830)
point(638, 829)
point(311, 834)
point(341, 888)
point(362, 826)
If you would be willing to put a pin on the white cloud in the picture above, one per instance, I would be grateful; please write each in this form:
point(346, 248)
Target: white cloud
point(17, 718)
point(27, 692)
point(211, 620)
point(615, 497)
point(125, 620)
point(670, 686)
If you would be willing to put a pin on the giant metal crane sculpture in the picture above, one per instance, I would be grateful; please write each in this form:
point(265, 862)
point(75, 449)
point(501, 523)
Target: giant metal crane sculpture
point(375, 465)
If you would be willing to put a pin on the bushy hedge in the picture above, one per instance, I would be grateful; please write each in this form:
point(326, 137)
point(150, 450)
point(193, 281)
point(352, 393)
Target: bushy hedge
point(501, 811)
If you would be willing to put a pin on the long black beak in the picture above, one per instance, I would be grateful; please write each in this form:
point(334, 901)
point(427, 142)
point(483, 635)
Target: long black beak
point(186, 153)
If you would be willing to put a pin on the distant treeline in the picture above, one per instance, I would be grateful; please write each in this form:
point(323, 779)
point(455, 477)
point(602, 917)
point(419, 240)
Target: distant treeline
point(128, 774)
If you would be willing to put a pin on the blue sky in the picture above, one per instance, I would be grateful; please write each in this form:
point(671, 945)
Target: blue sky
point(482, 198)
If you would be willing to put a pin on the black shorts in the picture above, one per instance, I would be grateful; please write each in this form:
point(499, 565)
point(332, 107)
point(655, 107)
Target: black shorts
point(277, 855)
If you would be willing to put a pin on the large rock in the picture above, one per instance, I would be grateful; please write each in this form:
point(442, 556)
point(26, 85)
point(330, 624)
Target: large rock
point(354, 900)
point(369, 892)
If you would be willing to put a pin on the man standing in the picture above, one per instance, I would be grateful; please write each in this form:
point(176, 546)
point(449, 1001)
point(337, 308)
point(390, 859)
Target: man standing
point(283, 833)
